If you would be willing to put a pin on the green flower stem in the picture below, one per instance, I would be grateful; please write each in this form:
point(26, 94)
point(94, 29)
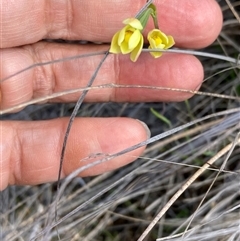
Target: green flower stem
point(155, 22)
point(145, 14)
point(154, 15)
point(143, 18)
point(143, 8)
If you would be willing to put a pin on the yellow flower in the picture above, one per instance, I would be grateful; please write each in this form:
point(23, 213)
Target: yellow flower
point(159, 40)
point(129, 39)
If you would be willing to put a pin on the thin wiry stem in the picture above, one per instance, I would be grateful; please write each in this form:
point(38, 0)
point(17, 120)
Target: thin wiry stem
point(106, 86)
point(52, 62)
point(143, 8)
point(72, 117)
point(197, 53)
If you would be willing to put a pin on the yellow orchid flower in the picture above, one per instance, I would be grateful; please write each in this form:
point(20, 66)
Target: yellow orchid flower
point(129, 39)
point(159, 40)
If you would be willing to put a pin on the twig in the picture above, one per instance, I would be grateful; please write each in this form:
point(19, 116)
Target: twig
point(184, 187)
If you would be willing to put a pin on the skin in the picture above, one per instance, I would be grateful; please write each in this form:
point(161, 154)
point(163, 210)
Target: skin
point(30, 151)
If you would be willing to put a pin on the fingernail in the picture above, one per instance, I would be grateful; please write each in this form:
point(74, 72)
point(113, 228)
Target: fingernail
point(146, 129)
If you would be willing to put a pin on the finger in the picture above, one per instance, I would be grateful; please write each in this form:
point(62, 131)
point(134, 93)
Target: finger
point(31, 150)
point(194, 24)
point(171, 70)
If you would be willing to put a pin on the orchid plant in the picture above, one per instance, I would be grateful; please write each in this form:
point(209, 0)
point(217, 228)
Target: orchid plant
point(130, 39)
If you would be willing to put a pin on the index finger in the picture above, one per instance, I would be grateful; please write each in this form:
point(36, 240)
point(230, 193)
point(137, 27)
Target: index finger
point(193, 24)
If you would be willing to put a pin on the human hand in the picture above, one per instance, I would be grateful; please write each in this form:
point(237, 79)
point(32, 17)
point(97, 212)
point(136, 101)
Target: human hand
point(30, 151)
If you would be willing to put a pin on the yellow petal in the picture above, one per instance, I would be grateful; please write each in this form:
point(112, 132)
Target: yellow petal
point(133, 22)
point(159, 40)
point(129, 39)
point(155, 54)
point(156, 37)
point(137, 51)
point(122, 35)
point(152, 43)
point(124, 48)
point(171, 42)
point(163, 37)
point(134, 39)
point(115, 49)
